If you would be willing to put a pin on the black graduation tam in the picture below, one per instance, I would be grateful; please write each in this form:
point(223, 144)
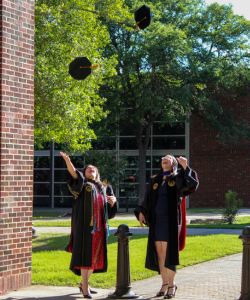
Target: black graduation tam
point(143, 17)
point(80, 68)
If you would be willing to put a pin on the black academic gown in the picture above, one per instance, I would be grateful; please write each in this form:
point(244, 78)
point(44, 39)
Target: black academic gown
point(80, 244)
point(182, 184)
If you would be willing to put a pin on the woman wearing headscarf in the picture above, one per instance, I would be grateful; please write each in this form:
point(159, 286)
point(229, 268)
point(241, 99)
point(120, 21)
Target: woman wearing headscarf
point(162, 211)
point(93, 205)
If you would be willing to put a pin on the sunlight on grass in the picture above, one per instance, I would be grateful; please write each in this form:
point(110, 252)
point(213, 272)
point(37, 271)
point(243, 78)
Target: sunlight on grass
point(66, 223)
point(239, 223)
point(50, 263)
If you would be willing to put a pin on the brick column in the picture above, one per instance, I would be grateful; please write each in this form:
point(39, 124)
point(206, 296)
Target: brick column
point(16, 142)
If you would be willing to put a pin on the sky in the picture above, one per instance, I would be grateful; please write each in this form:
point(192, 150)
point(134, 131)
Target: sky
point(240, 7)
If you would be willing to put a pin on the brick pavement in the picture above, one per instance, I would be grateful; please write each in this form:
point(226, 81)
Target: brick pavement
point(218, 279)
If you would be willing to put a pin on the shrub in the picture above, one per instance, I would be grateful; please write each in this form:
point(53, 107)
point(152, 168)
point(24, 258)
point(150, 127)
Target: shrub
point(232, 205)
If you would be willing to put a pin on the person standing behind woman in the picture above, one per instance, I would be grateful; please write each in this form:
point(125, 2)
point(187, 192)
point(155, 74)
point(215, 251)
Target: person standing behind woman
point(161, 211)
point(93, 204)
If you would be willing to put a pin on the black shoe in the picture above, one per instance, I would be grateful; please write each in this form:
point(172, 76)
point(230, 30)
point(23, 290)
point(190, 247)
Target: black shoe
point(92, 291)
point(170, 295)
point(161, 293)
point(88, 296)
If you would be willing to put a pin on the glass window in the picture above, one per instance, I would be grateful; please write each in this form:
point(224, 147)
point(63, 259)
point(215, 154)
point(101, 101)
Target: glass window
point(148, 162)
point(59, 162)
point(41, 189)
point(168, 129)
point(78, 161)
point(128, 190)
point(169, 142)
point(61, 175)
point(157, 161)
point(126, 128)
point(42, 175)
point(128, 143)
point(61, 189)
point(131, 161)
point(41, 201)
point(104, 143)
point(127, 203)
point(41, 162)
point(63, 201)
point(148, 176)
point(130, 175)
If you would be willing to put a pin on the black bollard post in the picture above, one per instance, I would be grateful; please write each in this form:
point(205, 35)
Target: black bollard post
point(123, 287)
point(245, 275)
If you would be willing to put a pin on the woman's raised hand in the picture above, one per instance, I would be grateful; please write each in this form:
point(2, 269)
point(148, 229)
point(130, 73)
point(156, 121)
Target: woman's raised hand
point(65, 156)
point(69, 165)
point(182, 161)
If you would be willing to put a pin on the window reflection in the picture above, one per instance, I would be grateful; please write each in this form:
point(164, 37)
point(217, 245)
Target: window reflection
point(169, 142)
point(41, 162)
point(128, 143)
point(41, 201)
point(168, 129)
point(104, 143)
point(41, 189)
point(42, 175)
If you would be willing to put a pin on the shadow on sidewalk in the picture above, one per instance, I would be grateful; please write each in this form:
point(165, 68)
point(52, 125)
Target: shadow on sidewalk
point(64, 297)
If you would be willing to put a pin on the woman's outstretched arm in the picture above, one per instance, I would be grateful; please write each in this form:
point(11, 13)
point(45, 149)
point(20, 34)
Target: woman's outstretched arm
point(70, 166)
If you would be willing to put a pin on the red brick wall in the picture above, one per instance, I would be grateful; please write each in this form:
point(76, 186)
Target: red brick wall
point(220, 167)
point(16, 142)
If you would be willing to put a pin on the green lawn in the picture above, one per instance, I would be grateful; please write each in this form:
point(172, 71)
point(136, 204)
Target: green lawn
point(50, 262)
point(66, 223)
point(239, 224)
point(54, 213)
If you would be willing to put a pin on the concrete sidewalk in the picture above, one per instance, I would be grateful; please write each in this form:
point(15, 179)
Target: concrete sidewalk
point(144, 230)
point(218, 279)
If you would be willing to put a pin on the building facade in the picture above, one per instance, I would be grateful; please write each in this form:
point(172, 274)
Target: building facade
point(220, 167)
point(50, 166)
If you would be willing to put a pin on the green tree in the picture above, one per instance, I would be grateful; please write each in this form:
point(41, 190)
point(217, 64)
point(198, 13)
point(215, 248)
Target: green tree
point(182, 63)
point(65, 108)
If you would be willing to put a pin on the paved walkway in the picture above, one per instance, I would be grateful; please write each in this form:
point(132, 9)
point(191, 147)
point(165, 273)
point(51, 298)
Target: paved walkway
point(218, 279)
point(144, 230)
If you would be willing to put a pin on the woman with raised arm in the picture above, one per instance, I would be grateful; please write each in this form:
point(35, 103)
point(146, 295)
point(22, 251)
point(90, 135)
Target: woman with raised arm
point(93, 205)
point(161, 211)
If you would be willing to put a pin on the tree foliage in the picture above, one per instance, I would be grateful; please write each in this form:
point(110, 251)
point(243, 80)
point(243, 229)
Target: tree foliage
point(65, 108)
point(189, 57)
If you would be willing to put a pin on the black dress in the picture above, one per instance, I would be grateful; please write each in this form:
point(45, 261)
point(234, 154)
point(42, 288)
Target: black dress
point(161, 213)
point(178, 186)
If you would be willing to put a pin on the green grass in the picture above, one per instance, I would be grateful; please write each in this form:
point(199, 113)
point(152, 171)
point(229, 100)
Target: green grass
point(204, 210)
point(51, 263)
point(66, 223)
point(240, 223)
point(41, 214)
point(51, 223)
